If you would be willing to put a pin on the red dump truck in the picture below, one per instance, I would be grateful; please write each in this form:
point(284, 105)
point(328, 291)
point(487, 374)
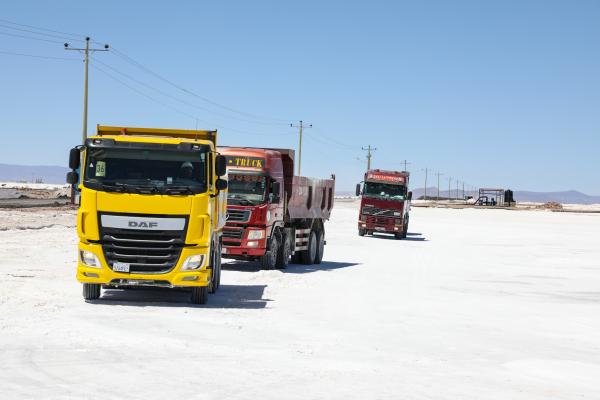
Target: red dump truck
point(385, 203)
point(272, 215)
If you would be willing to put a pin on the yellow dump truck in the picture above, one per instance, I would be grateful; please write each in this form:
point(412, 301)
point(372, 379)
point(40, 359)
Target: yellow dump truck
point(153, 204)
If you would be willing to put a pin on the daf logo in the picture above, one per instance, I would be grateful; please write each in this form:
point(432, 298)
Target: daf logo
point(142, 224)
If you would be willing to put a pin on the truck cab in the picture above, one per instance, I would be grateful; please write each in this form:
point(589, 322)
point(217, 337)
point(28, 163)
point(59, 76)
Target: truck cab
point(152, 209)
point(384, 203)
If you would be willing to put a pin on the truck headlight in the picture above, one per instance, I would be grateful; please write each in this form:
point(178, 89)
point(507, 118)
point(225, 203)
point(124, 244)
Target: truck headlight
point(89, 259)
point(256, 234)
point(193, 262)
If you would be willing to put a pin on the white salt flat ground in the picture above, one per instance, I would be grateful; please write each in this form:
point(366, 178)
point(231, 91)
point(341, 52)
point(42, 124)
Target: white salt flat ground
point(477, 304)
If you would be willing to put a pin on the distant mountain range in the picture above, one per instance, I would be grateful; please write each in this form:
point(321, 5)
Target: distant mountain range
point(565, 197)
point(32, 173)
point(55, 174)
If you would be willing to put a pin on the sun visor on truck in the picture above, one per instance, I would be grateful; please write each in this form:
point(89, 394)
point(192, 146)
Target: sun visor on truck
point(111, 143)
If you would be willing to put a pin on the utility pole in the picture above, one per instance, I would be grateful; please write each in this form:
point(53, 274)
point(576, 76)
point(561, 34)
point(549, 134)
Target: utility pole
point(425, 195)
point(463, 192)
point(457, 189)
point(449, 181)
point(301, 125)
point(370, 151)
point(86, 62)
point(405, 163)
point(438, 193)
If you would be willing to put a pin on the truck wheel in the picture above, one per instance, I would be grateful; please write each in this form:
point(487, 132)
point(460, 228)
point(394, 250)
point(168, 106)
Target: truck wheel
point(199, 295)
point(283, 255)
point(405, 229)
point(269, 260)
point(398, 236)
point(320, 247)
point(361, 232)
point(91, 291)
point(308, 256)
point(215, 278)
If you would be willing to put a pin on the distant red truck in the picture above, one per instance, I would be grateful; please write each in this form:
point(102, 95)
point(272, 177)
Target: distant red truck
point(273, 215)
point(385, 203)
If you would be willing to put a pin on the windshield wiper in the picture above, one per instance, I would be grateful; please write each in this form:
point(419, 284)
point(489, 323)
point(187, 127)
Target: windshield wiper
point(177, 190)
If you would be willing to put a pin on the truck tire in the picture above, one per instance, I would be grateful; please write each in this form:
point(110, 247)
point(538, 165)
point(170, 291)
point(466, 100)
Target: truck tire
point(199, 295)
point(320, 247)
point(361, 232)
point(269, 259)
point(309, 255)
point(215, 277)
point(91, 291)
point(405, 229)
point(284, 253)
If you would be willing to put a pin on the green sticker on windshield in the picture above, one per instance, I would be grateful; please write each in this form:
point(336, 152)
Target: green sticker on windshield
point(100, 168)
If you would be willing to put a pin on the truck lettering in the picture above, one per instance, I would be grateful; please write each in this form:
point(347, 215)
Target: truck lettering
point(247, 162)
point(142, 224)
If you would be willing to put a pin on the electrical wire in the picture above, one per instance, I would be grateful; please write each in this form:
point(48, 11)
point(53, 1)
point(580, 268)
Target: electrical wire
point(189, 92)
point(130, 60)
point(42, 29)
point(30, 37)
point(40, 33)
point(10, 53)
point(187, 103)
point(111, 76)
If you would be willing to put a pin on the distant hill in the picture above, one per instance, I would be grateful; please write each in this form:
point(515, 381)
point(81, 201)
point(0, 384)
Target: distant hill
point(31, 173)
point(565, 197)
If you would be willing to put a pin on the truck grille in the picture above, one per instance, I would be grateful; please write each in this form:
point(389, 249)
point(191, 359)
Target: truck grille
point(380, 221)
point(232, 237)
point(234, 215)
point(378, 212)
point(146, 252)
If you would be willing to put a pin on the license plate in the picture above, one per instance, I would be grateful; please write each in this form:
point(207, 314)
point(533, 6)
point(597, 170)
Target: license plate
point(378, 228)
point(121, 267)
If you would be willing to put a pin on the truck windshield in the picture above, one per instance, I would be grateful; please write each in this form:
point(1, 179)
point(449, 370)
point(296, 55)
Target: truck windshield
point(385, 190)
point(246, 189)
point(146, 171)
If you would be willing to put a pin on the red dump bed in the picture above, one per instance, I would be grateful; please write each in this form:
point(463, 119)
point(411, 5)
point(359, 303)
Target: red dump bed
point(311, 198)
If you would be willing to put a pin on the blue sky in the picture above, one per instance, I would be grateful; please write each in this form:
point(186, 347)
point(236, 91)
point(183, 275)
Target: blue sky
point(492, 93)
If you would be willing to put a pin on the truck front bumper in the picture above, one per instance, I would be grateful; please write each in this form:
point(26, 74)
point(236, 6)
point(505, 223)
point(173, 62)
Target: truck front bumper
point(244, 249)
point(175, 277)
point(376, 227)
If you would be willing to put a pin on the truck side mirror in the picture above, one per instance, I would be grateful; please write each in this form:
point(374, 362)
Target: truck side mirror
point(275, 192)
point(410, 195)
point(221, 184)
point(74, 157)
point(72, 177)
point(358, 189)
point(220, 165)
point(276, 188)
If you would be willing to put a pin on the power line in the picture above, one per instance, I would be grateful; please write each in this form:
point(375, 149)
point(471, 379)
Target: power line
point(38, 56)
point(177, 110)
point(30, 37)
point(187, 91)
point(143, 94)
point(42, 29)
point(130, 60)
point(39, 33)
point(187, 103)
point(340, 144)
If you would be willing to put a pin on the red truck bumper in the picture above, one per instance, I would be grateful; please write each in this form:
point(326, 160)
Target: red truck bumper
point(236, 244)
point(384, 227)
